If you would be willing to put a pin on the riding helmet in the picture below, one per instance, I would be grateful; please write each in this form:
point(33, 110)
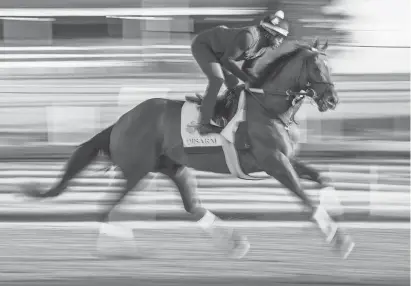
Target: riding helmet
point(275, 24)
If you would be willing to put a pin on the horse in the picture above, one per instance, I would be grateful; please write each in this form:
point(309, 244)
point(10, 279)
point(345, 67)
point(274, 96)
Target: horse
point(147, 139)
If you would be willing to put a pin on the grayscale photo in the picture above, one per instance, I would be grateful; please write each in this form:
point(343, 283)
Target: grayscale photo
point(205, 142)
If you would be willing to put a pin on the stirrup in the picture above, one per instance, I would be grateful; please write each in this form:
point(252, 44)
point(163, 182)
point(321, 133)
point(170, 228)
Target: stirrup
point(209, 129)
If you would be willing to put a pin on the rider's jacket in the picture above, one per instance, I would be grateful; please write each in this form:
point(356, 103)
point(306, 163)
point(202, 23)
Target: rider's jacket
point(221, 37)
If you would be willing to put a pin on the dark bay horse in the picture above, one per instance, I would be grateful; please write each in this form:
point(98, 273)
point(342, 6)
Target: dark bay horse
point(147, 139)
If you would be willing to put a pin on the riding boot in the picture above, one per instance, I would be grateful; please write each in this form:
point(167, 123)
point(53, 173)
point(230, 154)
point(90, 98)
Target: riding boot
point(208, 107)
point(207, 111)
point(232, 94)
point(205, 127)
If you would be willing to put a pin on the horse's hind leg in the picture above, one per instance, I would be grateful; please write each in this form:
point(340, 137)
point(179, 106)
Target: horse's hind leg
point(207, 221)
point(114, 233)
point(133, 173)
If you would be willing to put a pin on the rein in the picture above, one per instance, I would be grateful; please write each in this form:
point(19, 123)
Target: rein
point(291, 95)
point(294, 96)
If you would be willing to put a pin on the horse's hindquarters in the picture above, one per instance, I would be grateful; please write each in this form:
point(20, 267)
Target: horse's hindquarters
point(137, 137)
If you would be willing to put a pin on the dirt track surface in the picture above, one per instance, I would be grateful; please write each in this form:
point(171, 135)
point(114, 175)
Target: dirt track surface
point(36, 255)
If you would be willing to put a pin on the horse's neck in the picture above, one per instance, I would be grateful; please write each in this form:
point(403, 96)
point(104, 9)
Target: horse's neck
point(280, 82)
point(275, 100)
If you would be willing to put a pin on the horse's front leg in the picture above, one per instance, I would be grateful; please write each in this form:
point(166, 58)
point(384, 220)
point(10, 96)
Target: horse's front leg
point(272, 149)
point(307, 172)
point(327, 195)
point(278, 165)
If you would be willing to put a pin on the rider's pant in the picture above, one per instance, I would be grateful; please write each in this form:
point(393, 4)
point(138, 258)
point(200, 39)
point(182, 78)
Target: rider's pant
point(216, 75)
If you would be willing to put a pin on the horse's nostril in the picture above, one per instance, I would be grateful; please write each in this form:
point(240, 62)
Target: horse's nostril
point(332, 101)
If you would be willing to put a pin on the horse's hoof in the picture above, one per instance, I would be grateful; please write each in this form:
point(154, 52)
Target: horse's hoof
point(116, 242)
point(344, 244)
point(240, 248)
point(331, 232)
point(347, 249)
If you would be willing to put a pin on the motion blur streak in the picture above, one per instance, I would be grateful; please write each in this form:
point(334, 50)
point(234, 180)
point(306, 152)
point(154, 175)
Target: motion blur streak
point(71, 68)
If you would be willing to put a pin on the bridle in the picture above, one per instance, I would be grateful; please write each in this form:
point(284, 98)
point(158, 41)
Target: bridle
point(314, 96)
point(293, 96)
point(311, 93)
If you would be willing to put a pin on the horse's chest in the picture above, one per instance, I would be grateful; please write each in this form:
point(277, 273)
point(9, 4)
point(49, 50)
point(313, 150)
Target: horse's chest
point(275, 104)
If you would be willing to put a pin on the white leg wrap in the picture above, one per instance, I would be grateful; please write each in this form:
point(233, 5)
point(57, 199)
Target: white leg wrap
point(330, 201)
point(207, 221)
point(116, 231)
point(116, 240)
point(325, 223)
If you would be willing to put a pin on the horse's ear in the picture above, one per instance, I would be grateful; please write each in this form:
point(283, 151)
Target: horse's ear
point(315, 43)
point(325, 46)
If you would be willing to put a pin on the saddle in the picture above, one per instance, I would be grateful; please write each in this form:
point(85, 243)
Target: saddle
point(225, 109)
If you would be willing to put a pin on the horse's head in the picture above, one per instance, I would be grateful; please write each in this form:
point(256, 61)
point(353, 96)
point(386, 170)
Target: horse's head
point(318, 77)
point(298, 67)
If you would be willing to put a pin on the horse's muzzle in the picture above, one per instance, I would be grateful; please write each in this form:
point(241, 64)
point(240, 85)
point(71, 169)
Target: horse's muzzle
point(326, 104)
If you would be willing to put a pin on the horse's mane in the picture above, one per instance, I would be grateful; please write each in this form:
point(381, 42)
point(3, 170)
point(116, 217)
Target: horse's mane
point(272, 61)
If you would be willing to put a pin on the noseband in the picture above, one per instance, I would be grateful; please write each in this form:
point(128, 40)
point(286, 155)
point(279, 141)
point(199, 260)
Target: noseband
point(293, 96)
point(313, 94)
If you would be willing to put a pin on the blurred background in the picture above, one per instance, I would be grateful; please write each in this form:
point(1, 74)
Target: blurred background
point(69, 68)
point(90, 61)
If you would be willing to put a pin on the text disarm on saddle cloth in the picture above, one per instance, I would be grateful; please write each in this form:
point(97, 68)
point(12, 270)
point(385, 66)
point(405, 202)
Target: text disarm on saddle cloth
point(191, 138)
point(190, 118)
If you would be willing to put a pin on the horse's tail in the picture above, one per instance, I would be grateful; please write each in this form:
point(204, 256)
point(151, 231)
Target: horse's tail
point(80, 159)
point(101, 142)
